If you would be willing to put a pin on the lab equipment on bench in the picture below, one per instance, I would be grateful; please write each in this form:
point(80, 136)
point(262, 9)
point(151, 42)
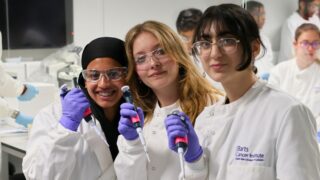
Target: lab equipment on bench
point(60, 67)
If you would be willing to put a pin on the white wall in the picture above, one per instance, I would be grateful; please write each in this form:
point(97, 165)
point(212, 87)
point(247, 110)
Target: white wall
point(88, 20)
point(97, 18)
point(124, 14)
point(276, 13)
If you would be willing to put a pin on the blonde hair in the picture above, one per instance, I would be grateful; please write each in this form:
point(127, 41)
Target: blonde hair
point(196, 92)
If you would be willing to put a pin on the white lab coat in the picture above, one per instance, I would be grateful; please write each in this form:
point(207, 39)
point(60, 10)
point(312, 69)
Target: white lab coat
point(131, 162)
point(302, 84)
point(264, 135)
point(9, 87)
point(264, 62)
point(56, 153)
point(288, 32)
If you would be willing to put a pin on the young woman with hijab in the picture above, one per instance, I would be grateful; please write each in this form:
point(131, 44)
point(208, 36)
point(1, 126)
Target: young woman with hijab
point(163, 79)
point(64, 146)
point(256, 132)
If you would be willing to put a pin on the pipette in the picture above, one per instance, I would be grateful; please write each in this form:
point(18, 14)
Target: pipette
point(181, 143)
point(88, 116)
point(135, 120)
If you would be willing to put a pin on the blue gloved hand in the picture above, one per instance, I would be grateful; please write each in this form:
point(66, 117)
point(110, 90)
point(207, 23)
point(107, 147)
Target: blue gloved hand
point(176, 128)
point(24, 119)
point(30, 92)
point(265, 76)
point(126, 127)
point(74, 103)
point(318, 136)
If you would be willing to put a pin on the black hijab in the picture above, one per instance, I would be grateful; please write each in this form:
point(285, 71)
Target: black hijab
point(111, 48)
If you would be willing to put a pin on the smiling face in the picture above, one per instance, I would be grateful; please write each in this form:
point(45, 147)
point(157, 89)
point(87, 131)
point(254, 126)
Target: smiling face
point(106, 93)
point(161, 73)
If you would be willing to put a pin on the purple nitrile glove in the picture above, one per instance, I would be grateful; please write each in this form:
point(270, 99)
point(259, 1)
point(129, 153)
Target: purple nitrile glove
point(30, 92)
point(176, 128)
point(24, 119)
point(126, 127)
point(74, 103)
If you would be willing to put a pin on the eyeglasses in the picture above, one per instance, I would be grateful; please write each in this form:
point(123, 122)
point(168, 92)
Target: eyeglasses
point(226, 45)
point(113, 74)
point(143, 61)
point(307, 44)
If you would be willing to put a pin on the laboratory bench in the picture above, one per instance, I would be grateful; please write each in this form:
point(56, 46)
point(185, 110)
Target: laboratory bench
point(13, 143)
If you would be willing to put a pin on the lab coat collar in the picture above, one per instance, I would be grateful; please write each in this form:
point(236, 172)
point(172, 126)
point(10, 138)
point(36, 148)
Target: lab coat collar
point(167, 109)
point(246, 98)
point(307, 72)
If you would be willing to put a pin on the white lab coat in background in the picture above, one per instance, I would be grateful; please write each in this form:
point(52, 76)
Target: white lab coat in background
point(288, 33)
point(9, 87)
point(264, 62)
point(131, 162)
point(302, 84)
point(264, 135)
point(56, 153)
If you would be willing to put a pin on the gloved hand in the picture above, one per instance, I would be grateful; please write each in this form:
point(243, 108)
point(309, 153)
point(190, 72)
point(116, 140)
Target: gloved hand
point(30, 92)
point(265, 76)
point(318, 136)
point(74, 104)
point(176, 128)
point(24, 119)
point(126, 127)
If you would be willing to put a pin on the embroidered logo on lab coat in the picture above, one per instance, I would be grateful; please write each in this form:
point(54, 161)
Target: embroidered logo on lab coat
point(243, 153)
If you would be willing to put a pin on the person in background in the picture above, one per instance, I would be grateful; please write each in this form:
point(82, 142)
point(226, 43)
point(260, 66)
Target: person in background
point(256, 132)
point(263, 62)
point(186, 24)
point(64, 146)
point(10, 87)
point(306, 13)
point(300, 76)
point(162, 80)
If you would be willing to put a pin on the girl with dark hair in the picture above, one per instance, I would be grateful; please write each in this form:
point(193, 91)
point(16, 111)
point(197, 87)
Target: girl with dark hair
point(256, 132)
